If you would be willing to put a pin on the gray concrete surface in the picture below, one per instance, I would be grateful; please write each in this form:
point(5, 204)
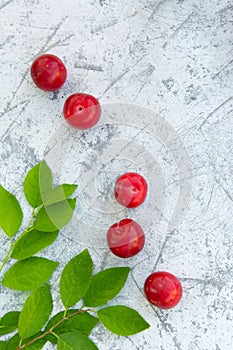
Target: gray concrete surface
point(173, 58)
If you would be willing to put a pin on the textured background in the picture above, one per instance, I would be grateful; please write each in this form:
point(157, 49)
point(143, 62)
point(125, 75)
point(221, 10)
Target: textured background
point(173, 57)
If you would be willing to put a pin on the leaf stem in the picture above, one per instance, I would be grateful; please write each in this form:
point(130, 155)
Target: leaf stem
point(55, 335)
point(65, 312)
point(34, 213)
point(50, 331)
point(7, 257)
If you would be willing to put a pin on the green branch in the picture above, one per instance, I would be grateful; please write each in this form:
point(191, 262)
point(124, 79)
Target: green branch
point(50, 331)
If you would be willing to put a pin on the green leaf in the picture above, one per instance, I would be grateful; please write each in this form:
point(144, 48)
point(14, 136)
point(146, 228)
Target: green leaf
point(75, 341)
point(29, 274)
point(36, 311)
point(105, 285)
point(59, 193)
point(31, 243)
point(76, 278)
point(11, 344)
point(37, 183)
point(11, 214)
point(122, 320)
point(9, 322)
point(3, 345)
point(82, 323)
point(55, 216)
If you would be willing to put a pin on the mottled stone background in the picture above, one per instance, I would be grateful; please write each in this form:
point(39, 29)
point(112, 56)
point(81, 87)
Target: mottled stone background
point(173, 57)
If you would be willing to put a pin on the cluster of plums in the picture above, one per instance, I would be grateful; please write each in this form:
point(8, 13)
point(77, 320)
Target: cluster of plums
point(125, 238)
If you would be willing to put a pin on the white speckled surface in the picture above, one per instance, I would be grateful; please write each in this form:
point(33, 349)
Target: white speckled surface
point(173, 58)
